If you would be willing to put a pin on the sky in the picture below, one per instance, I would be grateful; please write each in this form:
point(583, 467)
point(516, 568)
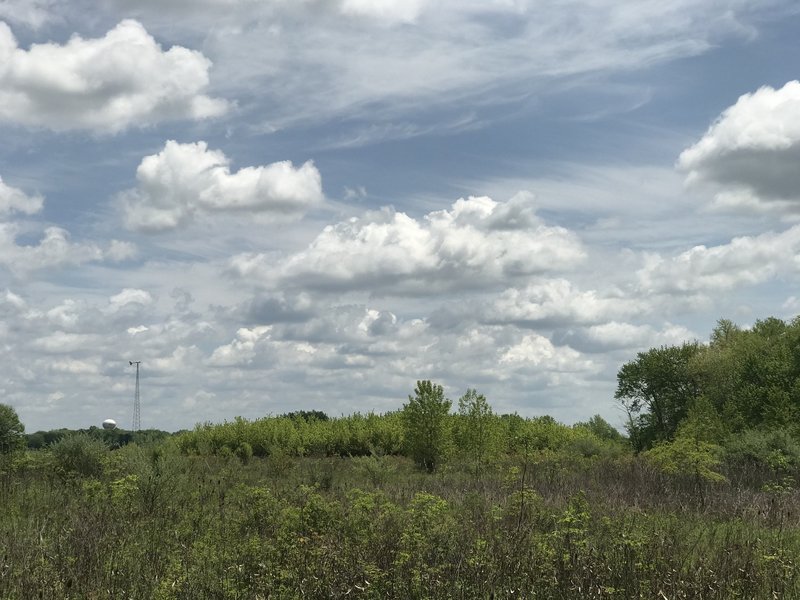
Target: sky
point(280, 205)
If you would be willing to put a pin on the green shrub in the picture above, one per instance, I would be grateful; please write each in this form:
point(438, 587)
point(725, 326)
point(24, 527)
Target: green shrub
point(79, 454)
point(244, 452)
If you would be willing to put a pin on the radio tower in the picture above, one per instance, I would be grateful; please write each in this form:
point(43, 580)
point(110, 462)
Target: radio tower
point(137, 409)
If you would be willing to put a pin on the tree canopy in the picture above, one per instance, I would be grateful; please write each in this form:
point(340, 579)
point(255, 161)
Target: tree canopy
point(425, 420)
point(750, 378)
point(12, 431)
point(657, 389)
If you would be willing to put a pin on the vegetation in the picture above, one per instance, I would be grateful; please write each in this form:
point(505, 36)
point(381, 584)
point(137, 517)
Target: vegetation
point(425, 424)
point(11, 431)
point(700, 501)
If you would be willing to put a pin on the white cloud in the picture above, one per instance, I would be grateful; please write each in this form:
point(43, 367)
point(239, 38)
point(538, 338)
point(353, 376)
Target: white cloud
point(746, 260)
point(404, 11)
point(66, 315)
point(555, 302)
point(178, 361)
point(31, 13)
point(103, 84)
point(241, 350)
point(184, 179)
point(128, 297)
point(617, 335)
point(534, 351)
point(751, 152)
point(475, 244)
point(62, 342)
point(53, 250)
point(380, 11)
point(13, 200)
point(296, 59)
point(11, 299)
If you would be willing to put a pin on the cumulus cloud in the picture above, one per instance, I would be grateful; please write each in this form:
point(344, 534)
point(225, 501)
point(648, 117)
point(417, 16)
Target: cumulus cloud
point(31, 13)
point(127, 298)
point(751, 152)
point(13, 200)
point(241, 350)
point(176, 362)
point(477, 243)
point(619, 335)
point(746, 260)
point(534, 351)
point(105, 84)
point(184, 179)
point(558, 302)
point(55, 249)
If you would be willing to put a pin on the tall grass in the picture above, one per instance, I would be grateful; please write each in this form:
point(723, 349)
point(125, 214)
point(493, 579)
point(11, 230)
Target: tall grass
point(549, 520)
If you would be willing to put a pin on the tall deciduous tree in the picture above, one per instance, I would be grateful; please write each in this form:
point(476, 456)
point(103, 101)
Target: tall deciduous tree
point(12, 431)
point(425, 421)
point(657, 390)
point(477, 436)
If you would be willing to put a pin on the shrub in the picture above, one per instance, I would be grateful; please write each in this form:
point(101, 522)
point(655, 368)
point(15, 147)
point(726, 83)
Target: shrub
point(79, 454)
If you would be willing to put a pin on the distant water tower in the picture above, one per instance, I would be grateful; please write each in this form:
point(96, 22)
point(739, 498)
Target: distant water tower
point(109, 424)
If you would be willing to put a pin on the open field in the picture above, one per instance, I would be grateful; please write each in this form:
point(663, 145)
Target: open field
point(557, 517)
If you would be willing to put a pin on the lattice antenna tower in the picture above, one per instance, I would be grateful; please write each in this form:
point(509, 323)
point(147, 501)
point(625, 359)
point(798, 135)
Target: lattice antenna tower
point(137, 409)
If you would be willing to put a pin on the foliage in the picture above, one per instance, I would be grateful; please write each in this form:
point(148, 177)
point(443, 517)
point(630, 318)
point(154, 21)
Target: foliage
point(752, 376)
point(12, 431)
point(657, 390)
point(307, 415)
point(476, 430)
point(159, 523)
point(79, 454)
point(426, 425)
point(602, 429)
point(113, 438)
point(689, 456)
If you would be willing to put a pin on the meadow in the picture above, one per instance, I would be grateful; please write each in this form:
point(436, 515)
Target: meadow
point(298, 507)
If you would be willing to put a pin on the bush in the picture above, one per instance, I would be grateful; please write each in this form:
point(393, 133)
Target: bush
point(244, 452)
point(775, 449)
point(79, 454)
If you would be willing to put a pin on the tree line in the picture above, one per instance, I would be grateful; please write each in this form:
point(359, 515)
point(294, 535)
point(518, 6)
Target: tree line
point(742, 379)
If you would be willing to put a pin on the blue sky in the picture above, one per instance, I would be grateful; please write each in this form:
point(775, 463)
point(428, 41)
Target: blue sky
point(311, 204)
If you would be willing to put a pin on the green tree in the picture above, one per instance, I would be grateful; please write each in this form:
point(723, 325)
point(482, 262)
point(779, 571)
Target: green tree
point(477, 433)
point(657, 390)
point(12, 431)
point(601, 428)
point(752, 376)
point(425, 424)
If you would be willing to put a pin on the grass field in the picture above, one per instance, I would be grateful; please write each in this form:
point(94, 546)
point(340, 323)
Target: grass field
point(166, 521)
